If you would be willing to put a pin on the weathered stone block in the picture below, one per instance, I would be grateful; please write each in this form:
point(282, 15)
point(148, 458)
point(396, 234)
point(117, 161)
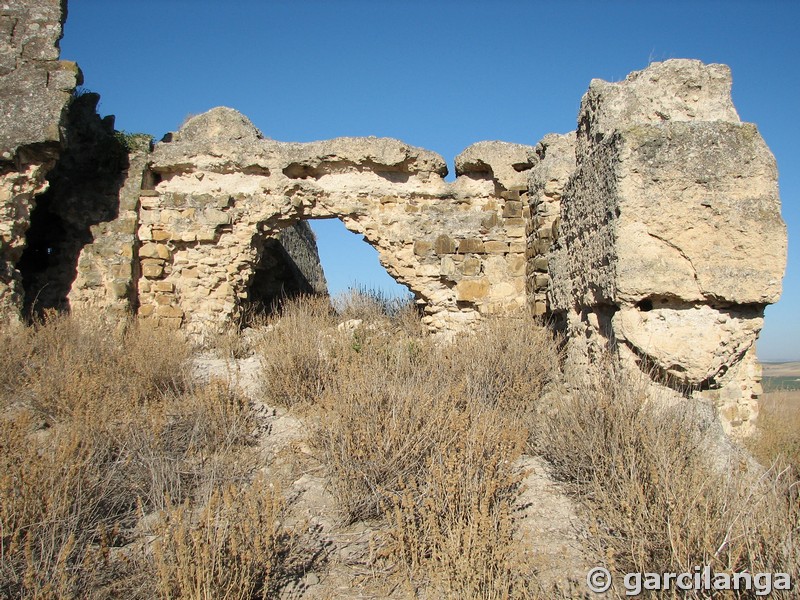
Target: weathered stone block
point(495, 247)
point(516, 264)
point(472, 290)
point(445, 245)
point(164, 286)
point(471, 266)
point(152, 270)
point(423, 248)
point(152, 250)
point(168, 311)
point(489, 220)
point(512, 209)
point(470, 246)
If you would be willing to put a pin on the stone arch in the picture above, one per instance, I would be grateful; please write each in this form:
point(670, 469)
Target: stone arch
point(222, 188)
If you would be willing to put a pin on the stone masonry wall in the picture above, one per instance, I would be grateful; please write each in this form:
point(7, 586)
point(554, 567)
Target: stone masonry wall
point(653, 231)
point(459, 247)
point(35, 90)
point(671, 241)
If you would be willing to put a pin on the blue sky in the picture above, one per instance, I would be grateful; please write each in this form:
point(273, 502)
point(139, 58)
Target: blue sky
point(437, 74)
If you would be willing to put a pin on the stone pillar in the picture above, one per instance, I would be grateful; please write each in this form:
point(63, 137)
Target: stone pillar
point(671, 241)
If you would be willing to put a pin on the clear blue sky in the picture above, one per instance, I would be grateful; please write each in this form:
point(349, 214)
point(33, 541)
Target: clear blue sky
point(436, 74)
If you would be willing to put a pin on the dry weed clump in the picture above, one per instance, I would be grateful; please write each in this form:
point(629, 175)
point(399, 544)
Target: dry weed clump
point(656, 494)
point(778, 435)
point(507, 363)
point(98, 427)
point(67, 364)
point(380, 419)
point(425, 436)
point(296, 369)
point(453, 528)
point(233, 547)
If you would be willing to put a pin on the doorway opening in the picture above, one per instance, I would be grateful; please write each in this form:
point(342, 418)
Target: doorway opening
point(318, 256)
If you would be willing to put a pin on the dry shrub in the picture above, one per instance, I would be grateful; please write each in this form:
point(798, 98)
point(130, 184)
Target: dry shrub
point(426, 437)
point(233, 547)
point(506, 362)
point(659, 496)
point(70, 363)
point(98, 427)
point(61, 495)
point(369, 305)
point(296, 367)
point(200, 437)
point(381, 418)
point(453, 529)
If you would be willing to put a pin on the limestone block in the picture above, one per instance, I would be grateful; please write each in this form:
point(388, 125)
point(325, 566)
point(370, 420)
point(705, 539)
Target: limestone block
point(504, 162)
point(512, 209)
point(516, 264)
point(671, 91)
point(472, 290)
point(168, 311)
point(448, 268)
point(445, 245)
point(471, 245)
point(471, 266)
point(152, 270)
point(423, 248)
point(156, 251)
point(691, 344)
point(495, 247)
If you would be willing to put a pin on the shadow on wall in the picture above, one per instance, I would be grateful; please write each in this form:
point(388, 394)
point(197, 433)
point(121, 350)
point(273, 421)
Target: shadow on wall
point(288, 267)
point(84, 191)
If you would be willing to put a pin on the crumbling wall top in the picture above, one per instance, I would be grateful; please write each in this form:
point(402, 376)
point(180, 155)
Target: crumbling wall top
point(35, 87)
point(670, 91)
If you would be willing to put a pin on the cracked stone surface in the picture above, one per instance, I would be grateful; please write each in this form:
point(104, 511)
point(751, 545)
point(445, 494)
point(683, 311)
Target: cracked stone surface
point(671, 241)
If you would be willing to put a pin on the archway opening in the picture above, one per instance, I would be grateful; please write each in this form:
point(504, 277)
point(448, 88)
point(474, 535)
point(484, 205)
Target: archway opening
point(318, 256)
point(288, 267)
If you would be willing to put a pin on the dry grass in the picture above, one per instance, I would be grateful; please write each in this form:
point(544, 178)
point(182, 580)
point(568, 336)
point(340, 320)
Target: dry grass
point(778, 437)
point(425, 437)
point(453, 530)
point(98, 430)
point(659, 497)
point(233, 547)
point(99, 427)
point(296, 369)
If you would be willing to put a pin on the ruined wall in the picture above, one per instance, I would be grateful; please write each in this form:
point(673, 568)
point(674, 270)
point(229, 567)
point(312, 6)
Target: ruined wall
point(288, 266)
point(653, 231)
point(224, 189)
point(670, 241)
point(35, 90)
point(84, 191)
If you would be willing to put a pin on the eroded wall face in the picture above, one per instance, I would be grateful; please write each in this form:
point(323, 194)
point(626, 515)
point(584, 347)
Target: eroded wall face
point(35, 89)
point(670, 242)
point(652, 232)
point(224, 191)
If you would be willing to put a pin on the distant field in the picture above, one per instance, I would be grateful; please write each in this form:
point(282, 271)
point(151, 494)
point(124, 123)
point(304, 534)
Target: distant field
point(781, 376)
point(775, 384)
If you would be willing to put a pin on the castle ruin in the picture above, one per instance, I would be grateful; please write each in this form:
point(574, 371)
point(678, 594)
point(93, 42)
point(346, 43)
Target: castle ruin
point(652, 231)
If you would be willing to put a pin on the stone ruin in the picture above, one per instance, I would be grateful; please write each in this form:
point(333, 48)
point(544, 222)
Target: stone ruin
point(653, 231)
